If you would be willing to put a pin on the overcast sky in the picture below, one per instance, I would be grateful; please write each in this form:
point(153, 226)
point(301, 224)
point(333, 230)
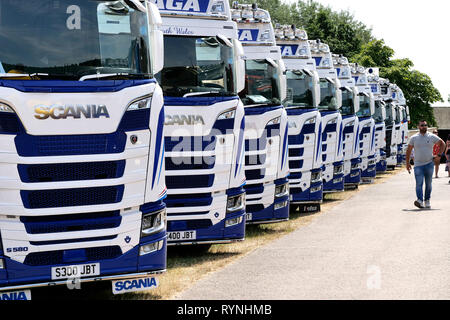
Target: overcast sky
point(417, 30)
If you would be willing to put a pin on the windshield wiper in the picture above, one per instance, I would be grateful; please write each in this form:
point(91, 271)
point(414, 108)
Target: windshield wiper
point(127, 76)
point(190, 94)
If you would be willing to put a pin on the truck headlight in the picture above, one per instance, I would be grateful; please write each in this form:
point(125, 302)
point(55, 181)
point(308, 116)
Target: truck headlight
point(281, 190)
point(153, 223)
point(316, 177)
point(142, 103)
point(236, 203)
point(5, 108)
point(338, 169)
point(152, 247)
point(229, 114)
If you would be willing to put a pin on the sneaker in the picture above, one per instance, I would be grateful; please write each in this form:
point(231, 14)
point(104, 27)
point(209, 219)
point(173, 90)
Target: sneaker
point(419, 204)
point(427, 204)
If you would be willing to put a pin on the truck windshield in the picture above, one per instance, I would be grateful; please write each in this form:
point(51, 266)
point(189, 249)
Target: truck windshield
point(196, 65)
point(261, 83)
point(348, 107)
point(300, 88)
point(69, 39)
point(390, 113)
point(328, 99)
point(364, 106)
point(378, 116)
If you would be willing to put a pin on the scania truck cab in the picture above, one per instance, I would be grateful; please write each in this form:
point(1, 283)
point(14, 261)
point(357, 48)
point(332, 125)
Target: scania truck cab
point(329, 105)
point(81, 143)
point(398, 123)
point(366, 125)
point(266, 121)
point(403, 119)
point(391, 135)
point(379, 117)
point(304, 119)
point(404, 123)
point(203, 73)
point(350, 122)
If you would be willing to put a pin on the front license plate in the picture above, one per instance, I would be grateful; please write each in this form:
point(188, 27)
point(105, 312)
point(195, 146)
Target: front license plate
point(248, 217)
point(76, 271)
point(181, 235)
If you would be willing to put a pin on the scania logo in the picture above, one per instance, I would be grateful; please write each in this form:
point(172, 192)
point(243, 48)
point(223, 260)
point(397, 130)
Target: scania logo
point(183, 119)
point(90, 111)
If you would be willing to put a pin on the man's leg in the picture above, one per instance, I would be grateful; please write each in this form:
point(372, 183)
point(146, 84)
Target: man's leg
point(428, 174)
point(419, 175)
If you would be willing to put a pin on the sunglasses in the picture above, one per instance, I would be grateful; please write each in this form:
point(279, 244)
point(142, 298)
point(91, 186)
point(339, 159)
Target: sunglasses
point(423, 125)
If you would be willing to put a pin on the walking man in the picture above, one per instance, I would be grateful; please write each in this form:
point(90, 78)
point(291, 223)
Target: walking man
point(423, 143)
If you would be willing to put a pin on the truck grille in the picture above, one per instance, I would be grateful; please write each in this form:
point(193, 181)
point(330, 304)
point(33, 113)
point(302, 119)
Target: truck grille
point(72, 222)
point(37, 199)
point(57, 257)
point(184, 182)
point(41, 146)
point(71, 171)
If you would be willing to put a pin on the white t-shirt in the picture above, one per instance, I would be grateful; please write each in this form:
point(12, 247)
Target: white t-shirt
point(423, 147)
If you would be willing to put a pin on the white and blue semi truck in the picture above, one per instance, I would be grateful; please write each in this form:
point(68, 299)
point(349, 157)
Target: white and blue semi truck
point(81, 143)
point(203, 73)
point(350, 122)
point(379, 117)
point(405, 118)
point(304, 119)
point(266, 130)
point(366, 124)
point(391, 132)
point(401, 123)
point(332, 127)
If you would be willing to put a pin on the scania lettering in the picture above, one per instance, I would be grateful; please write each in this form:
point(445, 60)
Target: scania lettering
point(266, 122)
point(304, 120)
point(81, 136)
point(366, 125)
point(329, 105)
point(350, 122)
point(203, 73)
point(379, 117)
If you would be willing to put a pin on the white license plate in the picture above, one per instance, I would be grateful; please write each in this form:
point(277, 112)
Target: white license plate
point(248, 217)
point(15, 295)
point(133, 285)
point(181, 235)
point(76, 271)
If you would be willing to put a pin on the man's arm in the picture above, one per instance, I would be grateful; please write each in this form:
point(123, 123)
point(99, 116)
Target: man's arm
point(442, 145)
point(408, 157)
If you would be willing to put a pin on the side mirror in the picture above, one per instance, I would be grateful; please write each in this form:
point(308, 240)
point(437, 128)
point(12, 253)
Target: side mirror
point(356, 99)
point(156, 38)
point(316, 80)
point(337, 84)
point(283, 82)
point(239, 65)
point(372, 104)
